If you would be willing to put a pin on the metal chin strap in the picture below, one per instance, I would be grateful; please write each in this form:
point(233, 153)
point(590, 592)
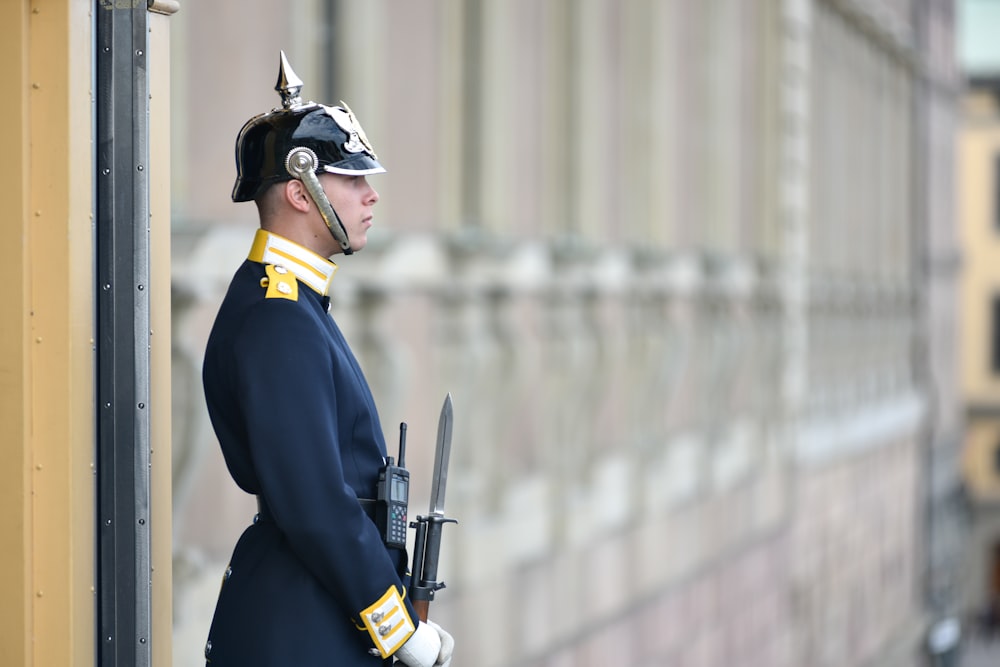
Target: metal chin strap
point(302, 164)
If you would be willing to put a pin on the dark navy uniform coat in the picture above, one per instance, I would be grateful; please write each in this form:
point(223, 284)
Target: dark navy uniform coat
point(298, 428)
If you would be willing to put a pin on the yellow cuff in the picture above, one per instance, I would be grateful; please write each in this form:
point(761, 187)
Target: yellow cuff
point(388, 623)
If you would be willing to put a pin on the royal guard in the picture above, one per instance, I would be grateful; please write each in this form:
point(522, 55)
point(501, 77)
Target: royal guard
point(319, 578)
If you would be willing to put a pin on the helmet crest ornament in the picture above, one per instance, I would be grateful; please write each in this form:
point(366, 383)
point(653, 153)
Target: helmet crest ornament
point(357, 141)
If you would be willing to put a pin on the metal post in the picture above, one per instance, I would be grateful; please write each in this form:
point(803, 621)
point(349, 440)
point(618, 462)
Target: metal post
point(122, 245)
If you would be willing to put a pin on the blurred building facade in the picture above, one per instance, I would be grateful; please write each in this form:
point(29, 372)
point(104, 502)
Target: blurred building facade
point(979, 200)
point(688, 270)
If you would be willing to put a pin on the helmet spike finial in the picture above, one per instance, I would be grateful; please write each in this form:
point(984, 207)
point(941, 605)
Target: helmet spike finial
point(289, 84)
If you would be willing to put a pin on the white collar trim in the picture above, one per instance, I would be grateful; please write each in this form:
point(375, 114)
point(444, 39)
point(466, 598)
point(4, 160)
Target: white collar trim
point(315, 271)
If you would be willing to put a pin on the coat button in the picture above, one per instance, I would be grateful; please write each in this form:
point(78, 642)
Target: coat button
point(280, 269)
point(208, 648)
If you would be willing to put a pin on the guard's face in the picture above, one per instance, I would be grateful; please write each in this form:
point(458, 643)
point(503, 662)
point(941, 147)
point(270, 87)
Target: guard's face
point(353, 198)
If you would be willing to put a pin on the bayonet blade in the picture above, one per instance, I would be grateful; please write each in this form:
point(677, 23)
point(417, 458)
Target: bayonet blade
point(427, 541)
point(441, 457)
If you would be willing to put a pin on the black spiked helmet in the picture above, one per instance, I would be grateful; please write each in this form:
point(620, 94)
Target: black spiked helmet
point(331, 133)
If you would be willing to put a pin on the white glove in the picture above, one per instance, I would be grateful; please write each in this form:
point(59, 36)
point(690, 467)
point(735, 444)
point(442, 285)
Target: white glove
point(428, 646)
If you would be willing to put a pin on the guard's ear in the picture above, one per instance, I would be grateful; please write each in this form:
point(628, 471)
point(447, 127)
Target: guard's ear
point(296, 195)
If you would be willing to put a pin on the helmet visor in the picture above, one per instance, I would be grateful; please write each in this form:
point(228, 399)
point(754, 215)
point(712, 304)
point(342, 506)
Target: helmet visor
point(360, 164)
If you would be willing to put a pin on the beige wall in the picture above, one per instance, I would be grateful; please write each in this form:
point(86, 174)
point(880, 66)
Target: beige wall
point(979, 149)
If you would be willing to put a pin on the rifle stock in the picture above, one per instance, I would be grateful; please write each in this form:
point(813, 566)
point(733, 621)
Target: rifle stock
point(422, 607)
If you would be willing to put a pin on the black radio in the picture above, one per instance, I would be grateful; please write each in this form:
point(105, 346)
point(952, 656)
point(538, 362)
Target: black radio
point(393, 497)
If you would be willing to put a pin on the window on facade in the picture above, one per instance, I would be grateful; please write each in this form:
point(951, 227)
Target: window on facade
point(995, 335)
point(996, 191)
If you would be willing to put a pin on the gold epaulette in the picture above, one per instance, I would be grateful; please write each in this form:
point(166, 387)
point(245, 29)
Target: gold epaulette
point(280, 283)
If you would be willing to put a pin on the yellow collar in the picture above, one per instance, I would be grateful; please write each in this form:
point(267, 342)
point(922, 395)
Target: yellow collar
point(313, 270)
